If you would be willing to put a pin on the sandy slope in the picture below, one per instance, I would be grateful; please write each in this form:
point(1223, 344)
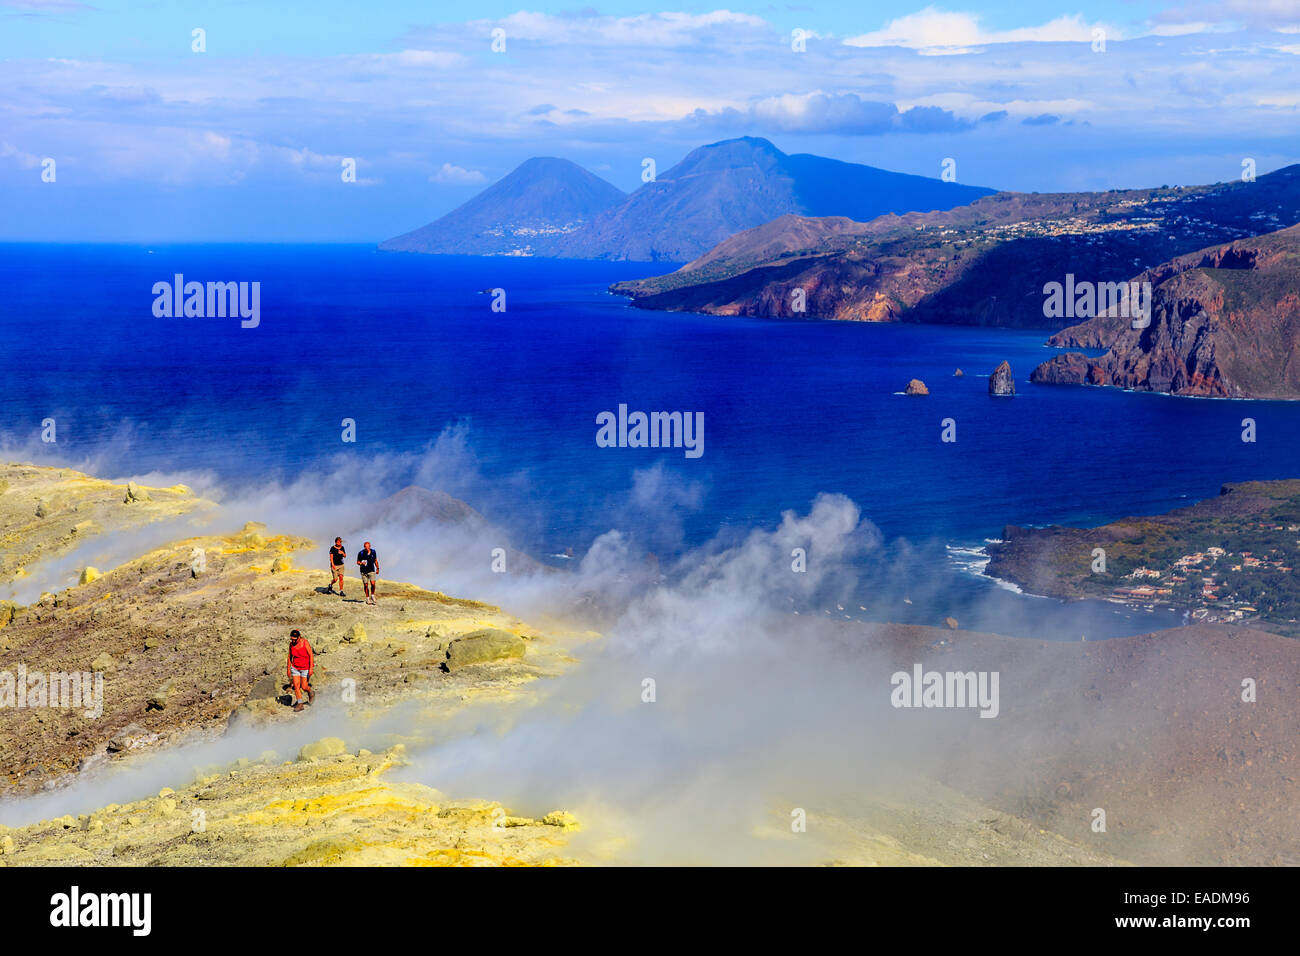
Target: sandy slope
point(1152, 729)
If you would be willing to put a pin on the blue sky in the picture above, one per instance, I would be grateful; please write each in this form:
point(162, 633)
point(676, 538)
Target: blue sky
point(245, 141)
point(140, 29)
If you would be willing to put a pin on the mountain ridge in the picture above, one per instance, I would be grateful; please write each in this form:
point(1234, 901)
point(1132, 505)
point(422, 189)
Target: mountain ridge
point(715, 191)
point(981, 264)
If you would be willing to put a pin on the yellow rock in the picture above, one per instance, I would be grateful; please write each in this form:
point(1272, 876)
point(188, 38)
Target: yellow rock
point(325, 747)
point(326, 851)
point(63, 851)
point(561, 818)
point(89, 575)
point(135, 492)
point(282, 563)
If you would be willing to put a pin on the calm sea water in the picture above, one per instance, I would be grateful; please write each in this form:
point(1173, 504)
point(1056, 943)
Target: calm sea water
point(408, 346)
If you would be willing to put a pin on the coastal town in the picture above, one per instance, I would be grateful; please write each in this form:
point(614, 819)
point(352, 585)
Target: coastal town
point(1228, 559)
point(1214, 585)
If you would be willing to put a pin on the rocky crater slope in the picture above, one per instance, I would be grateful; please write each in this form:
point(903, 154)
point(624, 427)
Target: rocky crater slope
point(1225, 322)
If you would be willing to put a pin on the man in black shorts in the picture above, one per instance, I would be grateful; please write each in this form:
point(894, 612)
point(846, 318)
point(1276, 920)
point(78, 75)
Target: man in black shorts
point(337, 558)
point(368, 562)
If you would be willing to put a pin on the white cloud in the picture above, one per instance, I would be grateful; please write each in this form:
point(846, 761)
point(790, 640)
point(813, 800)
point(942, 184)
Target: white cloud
point(587, 87)
point(972, 107)
point(23, 159)
point(846, 113)
point(1281, 101)
point(1183, 29)
point(936, 31)
point(457, 176)
point(439, 59)
point(647, 29)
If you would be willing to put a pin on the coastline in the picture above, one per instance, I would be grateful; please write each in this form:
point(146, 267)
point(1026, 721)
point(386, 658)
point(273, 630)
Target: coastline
point(1196, 559)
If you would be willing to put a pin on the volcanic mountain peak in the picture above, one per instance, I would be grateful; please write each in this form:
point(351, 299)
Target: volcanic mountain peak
point(714, 192)
point(540, 199)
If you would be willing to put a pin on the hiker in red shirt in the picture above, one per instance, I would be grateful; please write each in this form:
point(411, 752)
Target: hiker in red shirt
point(302, 661)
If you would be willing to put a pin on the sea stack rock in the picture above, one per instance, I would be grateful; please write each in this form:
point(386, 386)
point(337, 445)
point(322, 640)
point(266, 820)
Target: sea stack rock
point(958, 374)
point(1001, 382)
point(916, 387)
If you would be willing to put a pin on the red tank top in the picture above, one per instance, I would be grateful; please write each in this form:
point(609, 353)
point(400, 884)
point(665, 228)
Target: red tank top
point(299, 655)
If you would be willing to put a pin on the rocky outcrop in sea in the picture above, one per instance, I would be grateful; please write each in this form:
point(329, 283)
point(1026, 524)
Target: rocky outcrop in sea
point(1001, 381)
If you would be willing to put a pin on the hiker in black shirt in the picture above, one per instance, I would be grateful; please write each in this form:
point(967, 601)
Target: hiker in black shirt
point(337, 558)
point(368, 562)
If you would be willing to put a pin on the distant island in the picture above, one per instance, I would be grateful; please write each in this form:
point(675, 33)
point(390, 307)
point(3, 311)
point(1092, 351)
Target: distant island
point(542, 200)
point(1227, 559)
point(550, 207)
point(982, 264)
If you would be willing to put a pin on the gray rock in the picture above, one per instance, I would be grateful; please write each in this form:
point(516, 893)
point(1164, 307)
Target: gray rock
point(125, 737)
point(267, 688)
point(1001, 382)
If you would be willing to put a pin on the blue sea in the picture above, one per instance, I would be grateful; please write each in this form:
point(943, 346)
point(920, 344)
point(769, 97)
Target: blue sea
point(410, 348)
